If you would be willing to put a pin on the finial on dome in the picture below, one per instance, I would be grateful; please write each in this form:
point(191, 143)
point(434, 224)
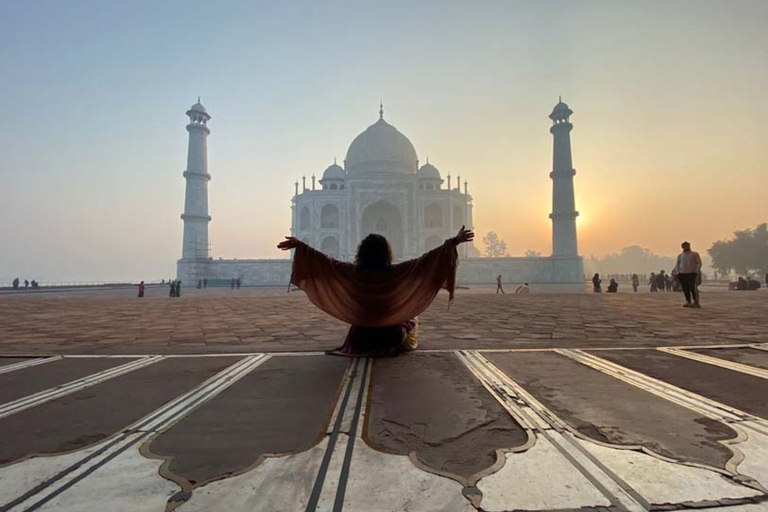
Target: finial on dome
point(334, 160)
point(559, 98)
point(381, 110)
point(427, 160)
point(198, 99)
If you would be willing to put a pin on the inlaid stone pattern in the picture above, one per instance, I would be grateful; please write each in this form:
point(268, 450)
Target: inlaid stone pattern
point(430, 406)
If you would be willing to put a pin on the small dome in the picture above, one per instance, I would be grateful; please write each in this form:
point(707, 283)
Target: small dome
point(334, 172)
point(198, 107)
point(561, 111)
point(381, 148)
point(428, 172)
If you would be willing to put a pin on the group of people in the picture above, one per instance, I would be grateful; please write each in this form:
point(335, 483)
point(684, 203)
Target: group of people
point(686, 276)
point(750, 283)
point(613, 285)
point(174, 288)
point(27, 283)
point(523, 289)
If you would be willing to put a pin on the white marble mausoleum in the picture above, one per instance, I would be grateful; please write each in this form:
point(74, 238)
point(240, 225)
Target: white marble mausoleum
point(381, 188)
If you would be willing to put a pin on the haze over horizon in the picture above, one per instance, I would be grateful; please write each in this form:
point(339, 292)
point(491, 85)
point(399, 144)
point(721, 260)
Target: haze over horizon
point(669, 138)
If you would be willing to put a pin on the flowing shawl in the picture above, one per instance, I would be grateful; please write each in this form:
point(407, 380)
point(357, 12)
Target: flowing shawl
point(375, 299)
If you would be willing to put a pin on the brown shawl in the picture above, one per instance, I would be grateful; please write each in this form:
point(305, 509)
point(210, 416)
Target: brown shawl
point(374, 299)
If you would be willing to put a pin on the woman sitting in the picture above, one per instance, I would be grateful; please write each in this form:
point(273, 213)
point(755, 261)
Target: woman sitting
point(379, 299)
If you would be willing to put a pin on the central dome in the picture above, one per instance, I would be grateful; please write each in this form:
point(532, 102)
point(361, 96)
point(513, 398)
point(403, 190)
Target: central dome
point(381, 149)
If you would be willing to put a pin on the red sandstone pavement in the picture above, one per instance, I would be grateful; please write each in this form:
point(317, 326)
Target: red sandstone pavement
point(253, 320)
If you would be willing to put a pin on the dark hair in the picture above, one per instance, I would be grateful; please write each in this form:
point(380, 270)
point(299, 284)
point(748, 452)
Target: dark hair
point(373, 253)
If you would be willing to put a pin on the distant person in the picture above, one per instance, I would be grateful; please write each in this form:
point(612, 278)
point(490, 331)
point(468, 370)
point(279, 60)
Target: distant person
point(613, 286)
point(688, 268)
point(205, 283)
point(635, 283)
point(652, 282)
point(178, 288)
point(499, 288)
point(596, 288)
point(667, 283)
point(172, 286)
point(742, 284)
point(238, 281)
point(199, 284)
point(660, 281)
point(141, 289)
point(232, 283)
point(522, 289)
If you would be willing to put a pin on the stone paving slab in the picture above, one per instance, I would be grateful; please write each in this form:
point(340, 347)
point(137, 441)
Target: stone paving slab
point(30, 380)
point(749, 356)
point(744, 392)
point(257, 320)
point(415, 403)
point(610, 411)
point(4, 361)
point(92, 414)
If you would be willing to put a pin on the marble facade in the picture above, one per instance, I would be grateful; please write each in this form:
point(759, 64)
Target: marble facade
point(382, 189)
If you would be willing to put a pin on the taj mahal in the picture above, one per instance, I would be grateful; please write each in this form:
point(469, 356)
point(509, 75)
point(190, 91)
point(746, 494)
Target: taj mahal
point(380, 188)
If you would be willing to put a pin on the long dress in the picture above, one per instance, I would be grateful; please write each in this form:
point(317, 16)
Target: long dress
point(382, 307)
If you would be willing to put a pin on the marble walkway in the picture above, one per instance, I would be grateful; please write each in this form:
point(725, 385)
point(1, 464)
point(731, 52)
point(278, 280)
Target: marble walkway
point(498, 430)
point(540, 403)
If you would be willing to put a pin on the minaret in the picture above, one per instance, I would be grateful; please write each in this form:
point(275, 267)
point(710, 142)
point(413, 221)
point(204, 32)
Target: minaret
point(564, 212)
point(195, 216)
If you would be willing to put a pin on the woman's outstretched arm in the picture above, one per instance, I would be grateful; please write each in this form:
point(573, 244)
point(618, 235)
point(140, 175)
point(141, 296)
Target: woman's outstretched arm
point(464, 235)
point(289, 243)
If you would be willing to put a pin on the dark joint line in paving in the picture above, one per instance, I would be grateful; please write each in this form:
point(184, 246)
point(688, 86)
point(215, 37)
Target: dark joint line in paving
point(344, 476)
point(314, 498)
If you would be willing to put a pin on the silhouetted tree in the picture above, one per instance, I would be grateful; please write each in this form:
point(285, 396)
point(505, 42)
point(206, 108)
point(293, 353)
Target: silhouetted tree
point(746, 253)
point(530, 253)
point(632, 259)
point(495, 247)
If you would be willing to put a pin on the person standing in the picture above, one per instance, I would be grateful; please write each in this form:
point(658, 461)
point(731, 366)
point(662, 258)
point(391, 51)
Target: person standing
point(635, 282)
point(499, 288)
point(172, 286)
point(178, 288)
point(596, 283)
point(232, 283)
point(652, 281)
point(688, 268)
point(141, 289)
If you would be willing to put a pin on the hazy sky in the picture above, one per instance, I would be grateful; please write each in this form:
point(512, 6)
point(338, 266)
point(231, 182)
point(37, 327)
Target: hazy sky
point(670, 127)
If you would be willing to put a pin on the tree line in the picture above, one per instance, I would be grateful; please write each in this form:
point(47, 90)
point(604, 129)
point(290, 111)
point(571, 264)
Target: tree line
point(746, 253)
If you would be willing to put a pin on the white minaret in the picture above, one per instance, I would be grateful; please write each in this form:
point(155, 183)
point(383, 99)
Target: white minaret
point(195, 216)
point(564, 212)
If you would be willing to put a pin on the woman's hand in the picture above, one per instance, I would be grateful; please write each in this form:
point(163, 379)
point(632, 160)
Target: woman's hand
point(464, 235)
point(289, 243)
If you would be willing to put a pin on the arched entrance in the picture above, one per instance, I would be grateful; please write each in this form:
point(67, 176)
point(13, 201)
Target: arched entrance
point(384, 218)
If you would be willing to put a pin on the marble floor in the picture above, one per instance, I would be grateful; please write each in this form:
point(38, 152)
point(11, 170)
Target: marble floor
point(547, 403)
